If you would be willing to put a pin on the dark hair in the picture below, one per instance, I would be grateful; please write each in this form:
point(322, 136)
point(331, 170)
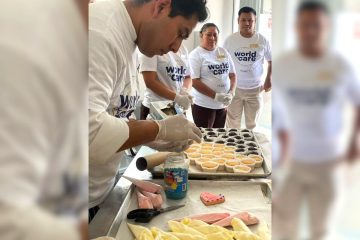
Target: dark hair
point(207, 25)
point(312, 5)
point(185, 8)
point(247, 10)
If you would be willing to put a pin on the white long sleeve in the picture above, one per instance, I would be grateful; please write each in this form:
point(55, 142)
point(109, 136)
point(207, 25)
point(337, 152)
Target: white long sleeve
point(43, 153)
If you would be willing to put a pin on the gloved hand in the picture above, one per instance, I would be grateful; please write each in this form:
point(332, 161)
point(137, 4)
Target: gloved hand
point(183, 101)
point(167, 146)
point(184, 91)
point(228, 98)
point(178, 128)
point(224, 98)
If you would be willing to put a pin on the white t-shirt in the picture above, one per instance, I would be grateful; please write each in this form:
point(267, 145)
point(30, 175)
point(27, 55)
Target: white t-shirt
point(113, 91)
point(313, 92)
point(213, 68)
point(171, 68)
point(248, 55)
point(43, 136)
point(279, 123)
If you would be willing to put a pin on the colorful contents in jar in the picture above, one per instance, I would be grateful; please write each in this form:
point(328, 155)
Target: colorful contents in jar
point(176, 180)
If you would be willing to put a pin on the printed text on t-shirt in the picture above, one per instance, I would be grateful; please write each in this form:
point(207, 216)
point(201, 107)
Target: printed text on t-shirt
point(218, 69)
point(126, 107)
point(246, 56)
point(176, 74)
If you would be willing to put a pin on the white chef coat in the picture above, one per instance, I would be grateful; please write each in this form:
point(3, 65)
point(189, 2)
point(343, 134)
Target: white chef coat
point(171, 68)
point(113, 91)
point(43, 136)
point(248, 55)
point(213, 68)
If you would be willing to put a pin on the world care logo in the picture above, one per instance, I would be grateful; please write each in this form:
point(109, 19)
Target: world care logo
point(246, 56)
point(176, 74)
point(218, 69)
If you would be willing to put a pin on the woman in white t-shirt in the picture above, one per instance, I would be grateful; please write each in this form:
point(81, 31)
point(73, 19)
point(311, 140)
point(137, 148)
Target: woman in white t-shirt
point(167, 77)
point(214, 79)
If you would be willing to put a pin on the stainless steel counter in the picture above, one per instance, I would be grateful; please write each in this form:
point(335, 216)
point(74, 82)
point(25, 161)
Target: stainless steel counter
point(107, 220)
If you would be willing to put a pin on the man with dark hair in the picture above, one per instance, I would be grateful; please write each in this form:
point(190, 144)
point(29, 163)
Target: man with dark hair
point(248, 50)
point(116, 28)
point(312, 6)
point(313, 84)
point(247, 10)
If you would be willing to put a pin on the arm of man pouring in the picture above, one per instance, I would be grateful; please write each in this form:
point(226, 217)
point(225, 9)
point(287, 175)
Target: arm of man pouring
point(108, 134)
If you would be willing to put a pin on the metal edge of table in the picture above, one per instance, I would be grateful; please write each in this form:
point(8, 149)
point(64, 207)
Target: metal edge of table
point(114, 228)
point(108, 219)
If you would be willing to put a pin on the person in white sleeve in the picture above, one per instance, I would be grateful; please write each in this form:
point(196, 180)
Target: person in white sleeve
point(248, 50)
point(315, 85)
point(116, 28)
point(214, 79)
point(43, 135)
point(167, 77)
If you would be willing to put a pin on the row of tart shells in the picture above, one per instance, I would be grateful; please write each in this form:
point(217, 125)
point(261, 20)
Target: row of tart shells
point(210, 158)
point(218, 149)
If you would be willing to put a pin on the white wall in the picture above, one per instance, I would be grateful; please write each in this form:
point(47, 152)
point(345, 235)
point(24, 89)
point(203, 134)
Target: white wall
point(222, 14)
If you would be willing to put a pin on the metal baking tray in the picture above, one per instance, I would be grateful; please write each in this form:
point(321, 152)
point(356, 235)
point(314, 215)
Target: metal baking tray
point(194, 173)
point(156, 109)
point(251, 196)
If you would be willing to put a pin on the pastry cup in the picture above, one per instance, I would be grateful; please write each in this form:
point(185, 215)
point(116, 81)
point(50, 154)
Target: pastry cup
point(251, 144)
point(221, 162)
point(232, 151)
point(230, 144)
point(206, 144)
point(240, 155)
point(258, 159)
point(228, 156)
point(193, 161)
point(191, 150)
point(192, 157)
point(223, 130)
point(209, 156)
point(209, 166)
point(199, 161)
point(233, 130)
point(241, 169)
point(219, 145)
point(252, 149)
point(230, 164)
point(206, 151)
point(253, 153)
point(248, 162)
point(217, 152)
point(229, 148)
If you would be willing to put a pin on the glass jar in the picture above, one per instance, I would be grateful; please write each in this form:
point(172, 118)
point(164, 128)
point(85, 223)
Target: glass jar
point(176, 176)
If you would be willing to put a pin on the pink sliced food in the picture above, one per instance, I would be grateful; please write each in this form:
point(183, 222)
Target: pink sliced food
point(246, 217)
point(208, 217)
point(156, 199)
point(143, 201)
point(145, 185)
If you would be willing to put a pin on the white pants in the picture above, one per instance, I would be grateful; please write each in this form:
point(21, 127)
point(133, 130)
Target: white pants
point(312, 183)
point(248, 100)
